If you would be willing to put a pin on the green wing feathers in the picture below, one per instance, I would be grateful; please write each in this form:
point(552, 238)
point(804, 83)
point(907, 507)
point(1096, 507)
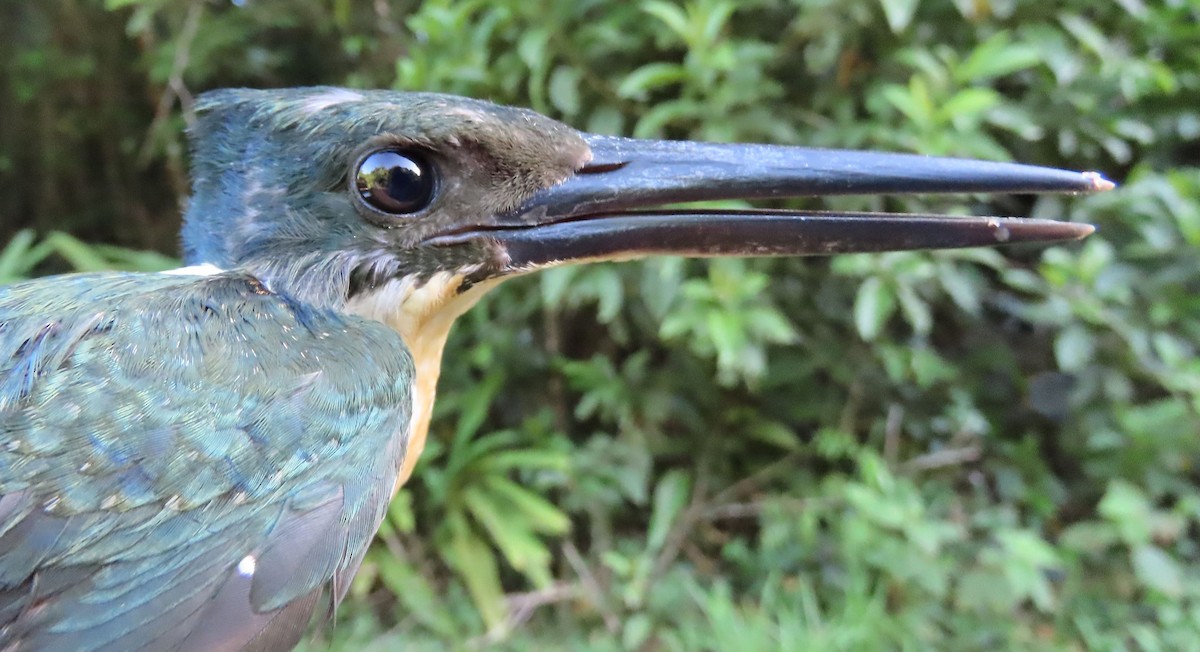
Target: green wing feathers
point(186, 463)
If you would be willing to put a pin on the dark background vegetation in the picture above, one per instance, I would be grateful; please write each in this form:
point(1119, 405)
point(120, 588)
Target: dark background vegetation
point(960, 450)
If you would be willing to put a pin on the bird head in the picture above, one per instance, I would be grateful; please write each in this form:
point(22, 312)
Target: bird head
point(331, 195)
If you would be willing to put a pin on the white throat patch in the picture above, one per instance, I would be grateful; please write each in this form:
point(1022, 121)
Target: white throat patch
point(422, 316)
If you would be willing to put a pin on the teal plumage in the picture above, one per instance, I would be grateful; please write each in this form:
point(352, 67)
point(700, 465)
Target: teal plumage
point(160, 429)
point(198, 461)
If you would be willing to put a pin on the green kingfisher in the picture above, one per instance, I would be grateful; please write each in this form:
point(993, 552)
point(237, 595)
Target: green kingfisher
point(199, 459)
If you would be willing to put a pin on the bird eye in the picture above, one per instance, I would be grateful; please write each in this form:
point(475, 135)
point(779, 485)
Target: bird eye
point(394, 181)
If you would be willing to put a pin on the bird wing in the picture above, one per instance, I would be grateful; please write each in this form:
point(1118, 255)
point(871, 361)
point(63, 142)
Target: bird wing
point(186, 463)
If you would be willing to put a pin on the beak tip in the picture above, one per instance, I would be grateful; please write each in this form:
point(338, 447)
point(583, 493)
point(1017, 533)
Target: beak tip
point(1084, 230)
point(1013, 230)
point(1068, 231)
point(1097, 183)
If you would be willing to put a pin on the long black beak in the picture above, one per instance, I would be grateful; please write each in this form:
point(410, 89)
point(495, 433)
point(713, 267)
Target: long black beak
point(606, 211)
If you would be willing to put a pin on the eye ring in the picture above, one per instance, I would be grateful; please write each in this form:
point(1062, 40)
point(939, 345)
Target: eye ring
point(394, 181)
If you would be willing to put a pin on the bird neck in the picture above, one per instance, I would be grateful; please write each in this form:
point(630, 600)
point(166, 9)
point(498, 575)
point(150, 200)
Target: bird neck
point(422, 314)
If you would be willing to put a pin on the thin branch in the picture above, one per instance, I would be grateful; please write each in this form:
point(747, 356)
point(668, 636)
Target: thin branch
point(942, 458)
point(751, 482)
point(849, 416)
point(703, 563)
point(753, 509)
point(591, 587)
point(175, 88)
point(891, 434)
point(521, 607)
point(678, 533)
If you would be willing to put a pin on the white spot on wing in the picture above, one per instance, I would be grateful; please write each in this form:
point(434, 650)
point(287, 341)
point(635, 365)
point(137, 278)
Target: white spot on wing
point(246, 566)
point(203, 269)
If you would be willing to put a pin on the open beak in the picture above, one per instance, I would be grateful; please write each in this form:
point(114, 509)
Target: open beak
point(607, 210)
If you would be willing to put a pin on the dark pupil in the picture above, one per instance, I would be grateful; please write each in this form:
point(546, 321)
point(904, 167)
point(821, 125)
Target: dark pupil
point(394, 182)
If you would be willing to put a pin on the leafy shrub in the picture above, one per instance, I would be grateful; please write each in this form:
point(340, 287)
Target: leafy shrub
point(962, 450)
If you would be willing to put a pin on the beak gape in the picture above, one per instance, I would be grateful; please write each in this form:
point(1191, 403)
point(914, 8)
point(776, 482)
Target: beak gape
point(611, 208)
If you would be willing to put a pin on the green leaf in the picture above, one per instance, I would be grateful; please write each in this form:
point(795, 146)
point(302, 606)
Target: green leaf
point(542, 515)
point(638, 84)
point(1158, 571)
point(606, 120)
point(671, 15)
point(961, 286)
point(136, 261)
point(418, 597)
point(564, 89)
point(1030, 557)
point(653, 122)
point(1074, 348)
point(969, 103)
point(1086, 33)
point(873, 307)
point(916, 311)
point(726, 332)
point(715, 18)
point(400, 512)
point(476, 565)
point(83, 257)
point(885, 511)
point(20, 255)
point(1127, 507)
point(1093, 537)
point(913, 101)
point(775, 434)
point(772, 326)
point(996, 57)
point(670, 496)
point(899, 13)
point(608, 287)
point(929, 368)
point(526, 459)
point(555, 284)
point(635, 631)
point(473, 409)
point(519, 545)
point(532, 47)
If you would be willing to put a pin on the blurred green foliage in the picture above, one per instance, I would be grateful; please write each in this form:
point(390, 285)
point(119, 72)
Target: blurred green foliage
point(959, 450)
